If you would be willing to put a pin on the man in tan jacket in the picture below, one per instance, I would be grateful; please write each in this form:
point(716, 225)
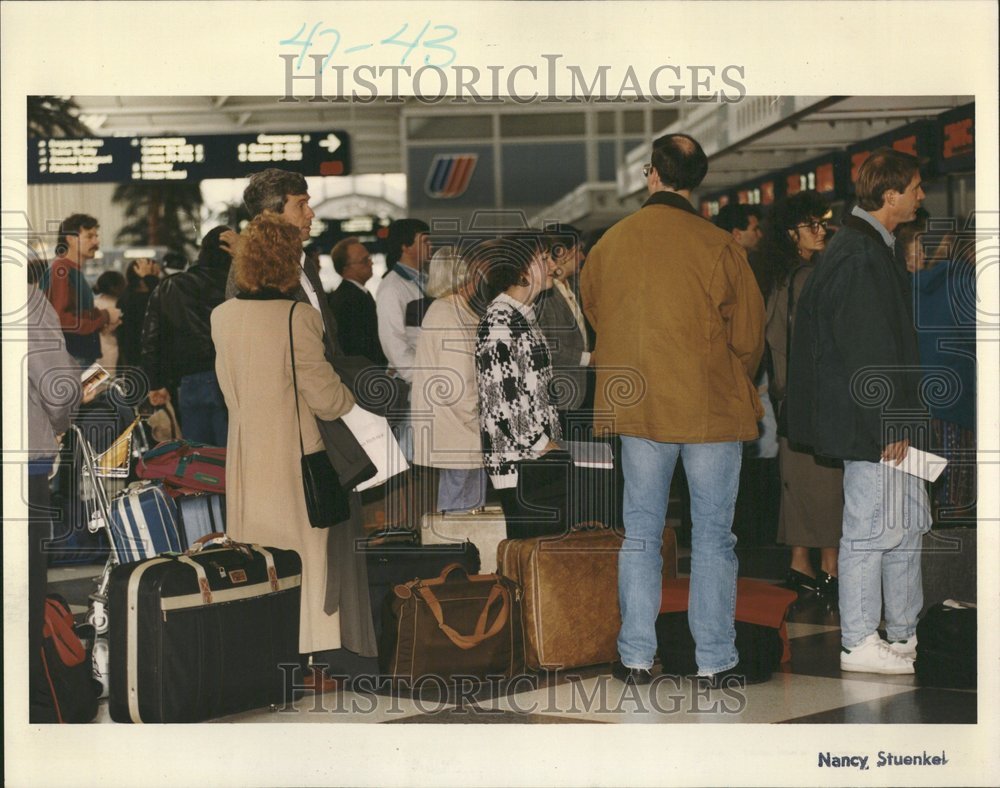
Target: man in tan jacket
point(679, 322)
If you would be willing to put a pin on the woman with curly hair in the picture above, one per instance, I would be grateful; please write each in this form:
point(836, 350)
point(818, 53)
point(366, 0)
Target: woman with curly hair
point(811, 488)
point(265, 500)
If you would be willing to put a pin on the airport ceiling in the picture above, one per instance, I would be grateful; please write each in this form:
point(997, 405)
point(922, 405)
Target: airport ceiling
point(376, 129)
point(830, 125)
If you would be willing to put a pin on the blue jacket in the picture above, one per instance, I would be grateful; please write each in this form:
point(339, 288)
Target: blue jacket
point(854, 383)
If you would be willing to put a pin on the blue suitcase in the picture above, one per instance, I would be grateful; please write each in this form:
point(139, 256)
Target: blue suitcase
point(144, 523)
point(200, 515)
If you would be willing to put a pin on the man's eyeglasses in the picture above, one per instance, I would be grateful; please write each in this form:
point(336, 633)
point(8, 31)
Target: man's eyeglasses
point(646, 169)
point(814, 226)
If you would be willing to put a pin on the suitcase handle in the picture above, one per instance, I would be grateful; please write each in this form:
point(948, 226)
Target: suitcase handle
point(245, 549)
point(208, 540)
point(393, 534)
point(480, 633)
point(218, 539)
point(480, 510)
point(589, 525)
point(447, 571)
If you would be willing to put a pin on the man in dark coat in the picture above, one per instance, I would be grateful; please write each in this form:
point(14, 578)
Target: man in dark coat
point(853, 395)
point(352, 305)
point(177, 347)
point(565, 328)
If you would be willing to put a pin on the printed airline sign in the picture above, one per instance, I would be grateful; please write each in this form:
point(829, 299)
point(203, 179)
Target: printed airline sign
point(450, 174)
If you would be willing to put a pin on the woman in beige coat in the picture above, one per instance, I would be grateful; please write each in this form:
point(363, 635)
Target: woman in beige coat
point(265, 500)
point(444, 399)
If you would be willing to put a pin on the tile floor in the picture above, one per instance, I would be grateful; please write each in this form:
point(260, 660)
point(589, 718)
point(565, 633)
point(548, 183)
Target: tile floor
point(810, 689)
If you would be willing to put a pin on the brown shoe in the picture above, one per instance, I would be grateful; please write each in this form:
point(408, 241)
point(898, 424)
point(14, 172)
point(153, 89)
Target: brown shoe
point(318, 682)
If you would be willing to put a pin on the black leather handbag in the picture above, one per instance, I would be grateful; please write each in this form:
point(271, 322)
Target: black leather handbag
point(326, 500)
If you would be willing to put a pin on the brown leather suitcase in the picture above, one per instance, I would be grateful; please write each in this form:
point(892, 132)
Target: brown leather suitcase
point(569, 605)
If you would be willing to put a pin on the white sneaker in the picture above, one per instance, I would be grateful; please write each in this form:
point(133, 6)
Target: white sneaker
point(905, 648)
point(874, 655)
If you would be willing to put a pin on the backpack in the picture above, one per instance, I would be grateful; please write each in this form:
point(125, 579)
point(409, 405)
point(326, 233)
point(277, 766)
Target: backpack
point(946, 646)
point(71, 691)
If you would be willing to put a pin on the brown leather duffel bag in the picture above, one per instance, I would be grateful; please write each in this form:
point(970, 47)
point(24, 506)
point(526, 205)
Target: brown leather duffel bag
point(570, 594)
point(454, 626)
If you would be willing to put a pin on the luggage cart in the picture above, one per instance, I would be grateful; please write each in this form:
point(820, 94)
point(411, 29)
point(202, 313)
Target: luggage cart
point(97, 472)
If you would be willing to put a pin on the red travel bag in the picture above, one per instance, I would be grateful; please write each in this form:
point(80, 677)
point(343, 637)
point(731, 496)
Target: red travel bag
point(185, 467)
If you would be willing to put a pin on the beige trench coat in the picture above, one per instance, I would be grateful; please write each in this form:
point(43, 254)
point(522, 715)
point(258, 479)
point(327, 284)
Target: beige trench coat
point(265, 502)
point(444, 400)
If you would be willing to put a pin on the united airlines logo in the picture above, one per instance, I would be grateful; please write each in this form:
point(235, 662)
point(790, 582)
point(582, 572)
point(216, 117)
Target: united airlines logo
point(450, 174)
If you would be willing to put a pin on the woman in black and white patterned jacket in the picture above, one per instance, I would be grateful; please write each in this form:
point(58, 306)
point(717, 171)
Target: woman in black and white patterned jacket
point(518, 421)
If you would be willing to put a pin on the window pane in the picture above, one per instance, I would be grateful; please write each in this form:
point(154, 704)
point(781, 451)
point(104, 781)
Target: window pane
point(634, 121)
point(605, 122)
point(450, 127)
point(663, 118)
point(542, 124)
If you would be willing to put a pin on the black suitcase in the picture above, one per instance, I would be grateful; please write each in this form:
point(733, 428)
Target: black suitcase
point(396, 557)
point(946, 647)
point(199, 636)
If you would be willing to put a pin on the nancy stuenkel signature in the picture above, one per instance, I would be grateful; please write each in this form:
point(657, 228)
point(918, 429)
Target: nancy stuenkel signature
point(883, 758)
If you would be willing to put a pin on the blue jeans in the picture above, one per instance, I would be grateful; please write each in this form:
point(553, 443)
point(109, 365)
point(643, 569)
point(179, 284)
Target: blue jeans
point(886, 512)
point(461, 489)
point(713, 474)
point(204, 417)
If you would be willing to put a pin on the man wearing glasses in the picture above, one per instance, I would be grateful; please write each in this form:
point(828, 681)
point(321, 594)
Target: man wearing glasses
point(677, 312)
point(352, 304)
point(853, 395)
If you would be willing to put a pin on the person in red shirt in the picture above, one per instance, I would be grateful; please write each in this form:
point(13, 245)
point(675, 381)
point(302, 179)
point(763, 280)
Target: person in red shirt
point(71, 295)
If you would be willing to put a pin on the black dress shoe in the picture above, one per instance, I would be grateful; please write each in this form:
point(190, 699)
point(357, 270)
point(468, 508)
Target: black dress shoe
point(828, 585)
point(631, 675)
point(800, 582)
point(736, 676)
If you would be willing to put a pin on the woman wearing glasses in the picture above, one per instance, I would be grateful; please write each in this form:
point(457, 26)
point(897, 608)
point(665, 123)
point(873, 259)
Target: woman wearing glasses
point(811, 487)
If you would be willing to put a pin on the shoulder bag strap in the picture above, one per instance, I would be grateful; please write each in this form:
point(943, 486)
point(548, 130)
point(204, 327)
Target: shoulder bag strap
point(295, 380)
point(788, 317)
point(480, 634)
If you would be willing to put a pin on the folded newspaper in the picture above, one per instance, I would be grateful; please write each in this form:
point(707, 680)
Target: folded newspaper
point(587, 454)
point(922, 464)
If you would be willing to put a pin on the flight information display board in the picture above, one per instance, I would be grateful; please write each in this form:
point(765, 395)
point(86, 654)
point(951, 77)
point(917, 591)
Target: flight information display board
point(916, 139)
point(825, 174)
point(192, 157)
point(957, 150)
